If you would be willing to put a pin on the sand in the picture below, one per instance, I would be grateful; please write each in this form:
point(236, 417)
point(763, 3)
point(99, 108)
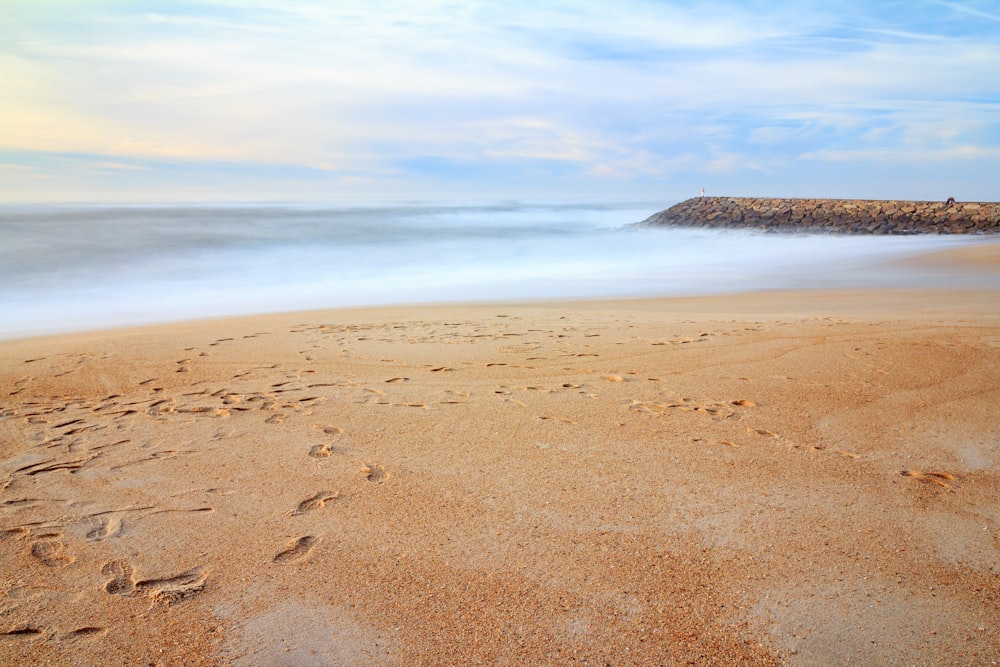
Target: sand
point(801, 478)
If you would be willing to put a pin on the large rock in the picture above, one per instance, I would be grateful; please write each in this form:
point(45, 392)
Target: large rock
point(841, 216)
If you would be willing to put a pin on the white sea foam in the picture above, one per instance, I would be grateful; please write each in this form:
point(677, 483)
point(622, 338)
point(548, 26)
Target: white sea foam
point(75, 268)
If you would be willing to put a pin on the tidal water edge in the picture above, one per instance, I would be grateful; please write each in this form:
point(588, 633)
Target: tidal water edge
point(65, 268)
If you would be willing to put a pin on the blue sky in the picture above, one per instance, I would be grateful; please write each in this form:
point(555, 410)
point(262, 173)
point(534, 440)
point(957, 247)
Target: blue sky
point(386, 100)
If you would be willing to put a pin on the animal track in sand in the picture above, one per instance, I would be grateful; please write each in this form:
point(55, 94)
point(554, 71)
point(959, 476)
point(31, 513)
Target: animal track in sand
point(314, 502)
point(942, 479)
point(51, 552)
point(375, 473)
point(296, 550)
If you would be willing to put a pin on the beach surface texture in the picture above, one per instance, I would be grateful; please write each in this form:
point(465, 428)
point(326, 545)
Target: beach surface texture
point(789, 477)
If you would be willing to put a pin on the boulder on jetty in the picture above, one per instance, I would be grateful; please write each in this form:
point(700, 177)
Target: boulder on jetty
point(838, 216)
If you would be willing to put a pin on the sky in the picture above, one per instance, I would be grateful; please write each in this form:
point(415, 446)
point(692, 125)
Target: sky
point(438, 100)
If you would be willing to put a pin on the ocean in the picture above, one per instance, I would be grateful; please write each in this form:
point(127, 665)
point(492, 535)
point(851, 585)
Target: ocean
point(73, 268)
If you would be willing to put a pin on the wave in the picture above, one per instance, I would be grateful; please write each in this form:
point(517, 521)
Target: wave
point(69, 268)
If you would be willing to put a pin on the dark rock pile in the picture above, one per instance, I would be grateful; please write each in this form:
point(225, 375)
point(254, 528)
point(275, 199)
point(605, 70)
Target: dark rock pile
point(839, 216)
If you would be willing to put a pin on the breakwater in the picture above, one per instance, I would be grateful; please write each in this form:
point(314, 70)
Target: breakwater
point(839, 216)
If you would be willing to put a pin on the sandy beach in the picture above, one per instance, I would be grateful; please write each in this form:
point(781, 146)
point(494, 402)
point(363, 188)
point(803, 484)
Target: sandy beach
point(801, 478)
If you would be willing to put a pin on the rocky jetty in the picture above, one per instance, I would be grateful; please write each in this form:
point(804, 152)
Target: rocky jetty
point(838, 216)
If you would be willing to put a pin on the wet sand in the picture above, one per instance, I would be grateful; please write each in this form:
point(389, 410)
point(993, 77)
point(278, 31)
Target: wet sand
point(802, 478)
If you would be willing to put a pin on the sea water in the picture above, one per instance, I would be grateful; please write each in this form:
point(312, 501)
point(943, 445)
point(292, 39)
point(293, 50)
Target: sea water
point(65, 268)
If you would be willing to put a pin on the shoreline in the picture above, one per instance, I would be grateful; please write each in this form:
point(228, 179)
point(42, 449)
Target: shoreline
point(783, 477)
point(981, 255)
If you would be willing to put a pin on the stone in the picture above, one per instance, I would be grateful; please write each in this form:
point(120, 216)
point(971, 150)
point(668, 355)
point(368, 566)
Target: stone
point(833, 215)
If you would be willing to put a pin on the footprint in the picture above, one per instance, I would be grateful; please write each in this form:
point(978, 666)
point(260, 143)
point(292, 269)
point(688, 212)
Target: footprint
point(942, 479)
point(26, 631)
point(297, 549)
point(122, 577)
point(846, 454)
point(547, 418)
point(173, 589)
point(51, 553)
point(14, 533)
point(320, 451)
point(103, 527)
point(314, 502)
point(166, 591)
point(275, 419)
point(87, 632)
point(203, 508)
point(375, 473)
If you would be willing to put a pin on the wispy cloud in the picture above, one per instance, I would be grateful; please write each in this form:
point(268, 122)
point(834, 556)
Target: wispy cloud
point(640, 95)
point(957, 153)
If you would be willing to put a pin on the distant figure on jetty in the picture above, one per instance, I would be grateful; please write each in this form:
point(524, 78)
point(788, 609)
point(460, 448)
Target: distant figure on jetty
point(951, 200)
point(703, 192)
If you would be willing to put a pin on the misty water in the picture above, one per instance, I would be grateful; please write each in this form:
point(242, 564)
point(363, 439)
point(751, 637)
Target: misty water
point(65, 268)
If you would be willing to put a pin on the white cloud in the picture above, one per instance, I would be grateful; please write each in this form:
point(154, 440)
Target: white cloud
point(905, 155)
point(638, 89)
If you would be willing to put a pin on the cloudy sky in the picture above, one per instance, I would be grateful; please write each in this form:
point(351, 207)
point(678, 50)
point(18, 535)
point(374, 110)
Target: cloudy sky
point(579, 100)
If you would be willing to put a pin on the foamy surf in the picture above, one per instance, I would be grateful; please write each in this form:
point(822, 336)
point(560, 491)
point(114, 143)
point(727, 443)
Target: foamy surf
point(74, 268)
